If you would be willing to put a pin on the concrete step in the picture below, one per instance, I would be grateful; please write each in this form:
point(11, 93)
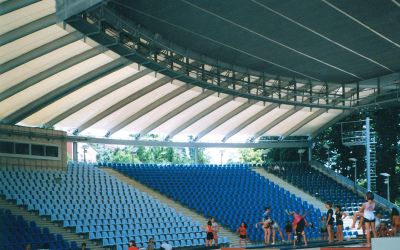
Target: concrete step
point(224, 232)
point(54, 228)
point(292, 189)
point(303, 195)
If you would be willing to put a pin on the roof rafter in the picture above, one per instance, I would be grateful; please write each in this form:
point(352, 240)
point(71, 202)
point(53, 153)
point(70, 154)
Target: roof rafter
point(224, 119)
point(148, 108)
point(97, 96)
point(42, 50)
point(51, 71)
point(64, 90)
point(28, 29)
point(122, 103)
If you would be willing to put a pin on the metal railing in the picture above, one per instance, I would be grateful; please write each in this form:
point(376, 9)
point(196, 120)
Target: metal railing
point(350, 184)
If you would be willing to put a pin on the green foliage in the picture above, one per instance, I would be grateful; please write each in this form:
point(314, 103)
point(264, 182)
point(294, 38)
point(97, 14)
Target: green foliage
point(140, 154)
point(251, 155)
point(386, 123)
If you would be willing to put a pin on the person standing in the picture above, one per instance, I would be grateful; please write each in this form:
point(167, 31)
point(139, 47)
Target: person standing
point(242, 233)
point(369, 217)
point(339, 216)
point(395, 217)
point(215, 229)
point(329, 221)
point(150, 244)
point(210, 235)
point(322, 228)
point(288, 230)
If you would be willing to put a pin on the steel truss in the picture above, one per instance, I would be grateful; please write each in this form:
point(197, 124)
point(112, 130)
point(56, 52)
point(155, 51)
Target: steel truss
point(177, 63)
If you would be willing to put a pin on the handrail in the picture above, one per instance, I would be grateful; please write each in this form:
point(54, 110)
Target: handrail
point(350, 184)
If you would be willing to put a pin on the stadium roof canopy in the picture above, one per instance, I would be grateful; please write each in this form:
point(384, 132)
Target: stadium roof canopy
point(210, 70)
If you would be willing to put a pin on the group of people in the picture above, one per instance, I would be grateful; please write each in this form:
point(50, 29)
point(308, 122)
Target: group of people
point(326, 225)
point(212, 229)
point(368, 221)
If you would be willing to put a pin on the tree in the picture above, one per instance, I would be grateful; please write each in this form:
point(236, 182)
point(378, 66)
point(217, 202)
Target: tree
point(388, 131)
point(250, 155)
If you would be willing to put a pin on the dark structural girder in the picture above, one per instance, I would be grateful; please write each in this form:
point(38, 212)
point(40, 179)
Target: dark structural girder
point(152, 51)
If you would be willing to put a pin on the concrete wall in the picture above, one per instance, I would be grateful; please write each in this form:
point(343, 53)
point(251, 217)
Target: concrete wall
point(34, 136)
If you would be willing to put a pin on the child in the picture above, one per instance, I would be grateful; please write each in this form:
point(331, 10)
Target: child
point(215, 228)
point(329, 221)
point(132, 245)
point(288, 230)
point(242, 233)
point(322, 228)
point(210, 234)
point(340, 215)
point(367, 212)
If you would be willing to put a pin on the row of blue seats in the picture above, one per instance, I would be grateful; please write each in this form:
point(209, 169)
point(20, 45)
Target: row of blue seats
point(201, 180)
point(143, 208)
point(16, 233)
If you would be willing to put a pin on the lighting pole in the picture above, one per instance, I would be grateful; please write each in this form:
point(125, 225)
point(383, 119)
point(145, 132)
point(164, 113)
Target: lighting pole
point(301, 151)
point(85, 148)
point(133, 153)
point(354, 160)
point(387, 182)
point(222, 154)
point(326, 146)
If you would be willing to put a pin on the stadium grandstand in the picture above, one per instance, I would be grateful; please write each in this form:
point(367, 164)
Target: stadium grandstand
point(319, 80)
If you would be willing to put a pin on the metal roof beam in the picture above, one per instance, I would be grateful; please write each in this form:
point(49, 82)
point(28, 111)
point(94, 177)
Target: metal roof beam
point(200, 115)
point(249, 121)
point(179, 109)
point(148, 108)
point(10, 6)
point(274, 123)
point(42, 50)
point(51, 71)
point(27, 29)
point(314, 116)
point(223, 119)
point(123, 103)
point(97, 96)
point(271, 144)
point(64, 90)
point(175, 112)
point(304, 122)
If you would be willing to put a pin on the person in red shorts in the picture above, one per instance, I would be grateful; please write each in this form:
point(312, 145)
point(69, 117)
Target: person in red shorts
point(132, 245)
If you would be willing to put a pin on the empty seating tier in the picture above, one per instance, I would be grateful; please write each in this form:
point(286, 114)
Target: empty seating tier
point(317, 184)
point(231, 194)
point(98, 205)
point(16, 233)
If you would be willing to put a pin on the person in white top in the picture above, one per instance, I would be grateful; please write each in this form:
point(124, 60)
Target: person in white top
point(166, 246)
point(367, 213)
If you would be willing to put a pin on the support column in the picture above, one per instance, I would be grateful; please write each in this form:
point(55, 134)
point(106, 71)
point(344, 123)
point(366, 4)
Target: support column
point(75, 151)
point(196, 160)
point(367, 150)
point(310, 152)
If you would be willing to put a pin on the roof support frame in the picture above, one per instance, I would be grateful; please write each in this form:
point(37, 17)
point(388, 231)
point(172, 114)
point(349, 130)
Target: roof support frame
point(51, 71)
point(97, 96)
point(270, 144)
point(64, 90)
point(27, 29)
point(148, 108)
point(10, 6)
point(223, 119)
point(42, 50)
point(122, 103)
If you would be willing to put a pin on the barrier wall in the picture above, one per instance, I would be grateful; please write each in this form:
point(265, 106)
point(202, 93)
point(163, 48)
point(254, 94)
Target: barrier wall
point(32, 147)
